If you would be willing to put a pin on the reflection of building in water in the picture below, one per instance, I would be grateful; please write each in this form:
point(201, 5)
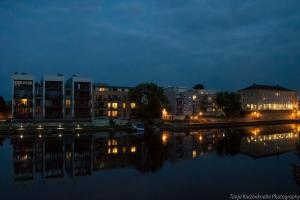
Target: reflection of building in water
point(78, 157)
point(198, 143)
point(23, 153)
point(1, 140)
point(115, 152)
point(296, 172)
point(261, 143)
point(81, 156)
point(54, 159)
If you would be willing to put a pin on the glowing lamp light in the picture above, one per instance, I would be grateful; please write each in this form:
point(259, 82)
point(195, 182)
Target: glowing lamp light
point(39, 127)
point(255, 131)
point(60, 127)
point(200, 138)
point(78, 127)
point(164, 138)
point(164, 112)
point(21, 136)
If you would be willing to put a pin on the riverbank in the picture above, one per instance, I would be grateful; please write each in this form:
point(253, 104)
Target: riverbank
point(11, 128)
point(181, 126)
point(49, 128)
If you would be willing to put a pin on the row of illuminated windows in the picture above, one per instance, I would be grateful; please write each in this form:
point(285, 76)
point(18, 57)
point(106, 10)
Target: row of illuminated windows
point(270, 99)
point(115, 105)
point(115, 150)
point(270, 106)
point(112, 113)
point(104, 89)
point(269, 95)
point(22, 82)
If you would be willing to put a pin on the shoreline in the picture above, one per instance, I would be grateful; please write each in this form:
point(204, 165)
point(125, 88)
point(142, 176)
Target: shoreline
point(12, 128)
point(217, 125)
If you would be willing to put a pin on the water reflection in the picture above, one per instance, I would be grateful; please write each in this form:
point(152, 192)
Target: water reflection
point(82, 155)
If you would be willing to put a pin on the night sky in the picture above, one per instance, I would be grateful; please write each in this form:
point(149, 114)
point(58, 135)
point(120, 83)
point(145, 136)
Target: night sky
point(224, 44)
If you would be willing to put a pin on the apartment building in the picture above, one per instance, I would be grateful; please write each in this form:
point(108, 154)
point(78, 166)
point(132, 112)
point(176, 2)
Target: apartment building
point(189, 102)
point(23, 101)
point(79, 98)
point(53, 97)
point(112, 102)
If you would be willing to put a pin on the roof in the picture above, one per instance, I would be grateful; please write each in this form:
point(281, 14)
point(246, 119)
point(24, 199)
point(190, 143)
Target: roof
point(266, 87)
point(111, 86)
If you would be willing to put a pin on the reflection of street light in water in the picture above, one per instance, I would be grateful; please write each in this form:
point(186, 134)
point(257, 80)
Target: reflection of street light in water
point(194, 154)
point(255, 115)
point(164, 138)
point(255, 131)
point(164, 114)
point(200, 138)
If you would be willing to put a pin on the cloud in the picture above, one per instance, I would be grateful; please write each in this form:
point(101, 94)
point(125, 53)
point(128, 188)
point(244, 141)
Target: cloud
point(224, 44)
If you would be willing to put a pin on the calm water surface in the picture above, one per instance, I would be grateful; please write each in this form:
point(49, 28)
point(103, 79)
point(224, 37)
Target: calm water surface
point(204, 164)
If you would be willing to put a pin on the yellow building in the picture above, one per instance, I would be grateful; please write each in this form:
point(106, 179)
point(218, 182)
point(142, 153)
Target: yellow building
point(265, 97)
point(112, 102)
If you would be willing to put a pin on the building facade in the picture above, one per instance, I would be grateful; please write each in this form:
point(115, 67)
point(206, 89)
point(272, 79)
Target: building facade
point(23, 101)
point(189, 102)
point(53, 97)
point(79, 98)
point(266, 97)
point(112, 102)
point(38, 100)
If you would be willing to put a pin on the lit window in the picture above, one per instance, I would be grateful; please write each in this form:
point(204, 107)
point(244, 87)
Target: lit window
point(194, 97)
point(68, 103)
point(101, 89)
point(114, 113)
point(24, 101)
point(108, 105)
point(133, 105)
point(112, 142)
point(109, 113)
point(133, 149)
point(115, 150)
point(124, 105)
point(115, 105)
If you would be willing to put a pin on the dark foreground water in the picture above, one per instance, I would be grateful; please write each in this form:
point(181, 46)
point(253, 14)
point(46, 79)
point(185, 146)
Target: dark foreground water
point(201, 164)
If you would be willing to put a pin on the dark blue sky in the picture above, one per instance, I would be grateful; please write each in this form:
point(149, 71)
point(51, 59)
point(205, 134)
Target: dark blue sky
point(225, 44)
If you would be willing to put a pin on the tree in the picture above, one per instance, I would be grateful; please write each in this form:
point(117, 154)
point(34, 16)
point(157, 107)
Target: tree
point(150, 100)
point(3, 106)
point(230, 103)
point(198, 86)
point(154, 153)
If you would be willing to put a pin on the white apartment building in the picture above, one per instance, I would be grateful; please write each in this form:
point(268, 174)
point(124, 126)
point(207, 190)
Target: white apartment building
point(189, 102)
